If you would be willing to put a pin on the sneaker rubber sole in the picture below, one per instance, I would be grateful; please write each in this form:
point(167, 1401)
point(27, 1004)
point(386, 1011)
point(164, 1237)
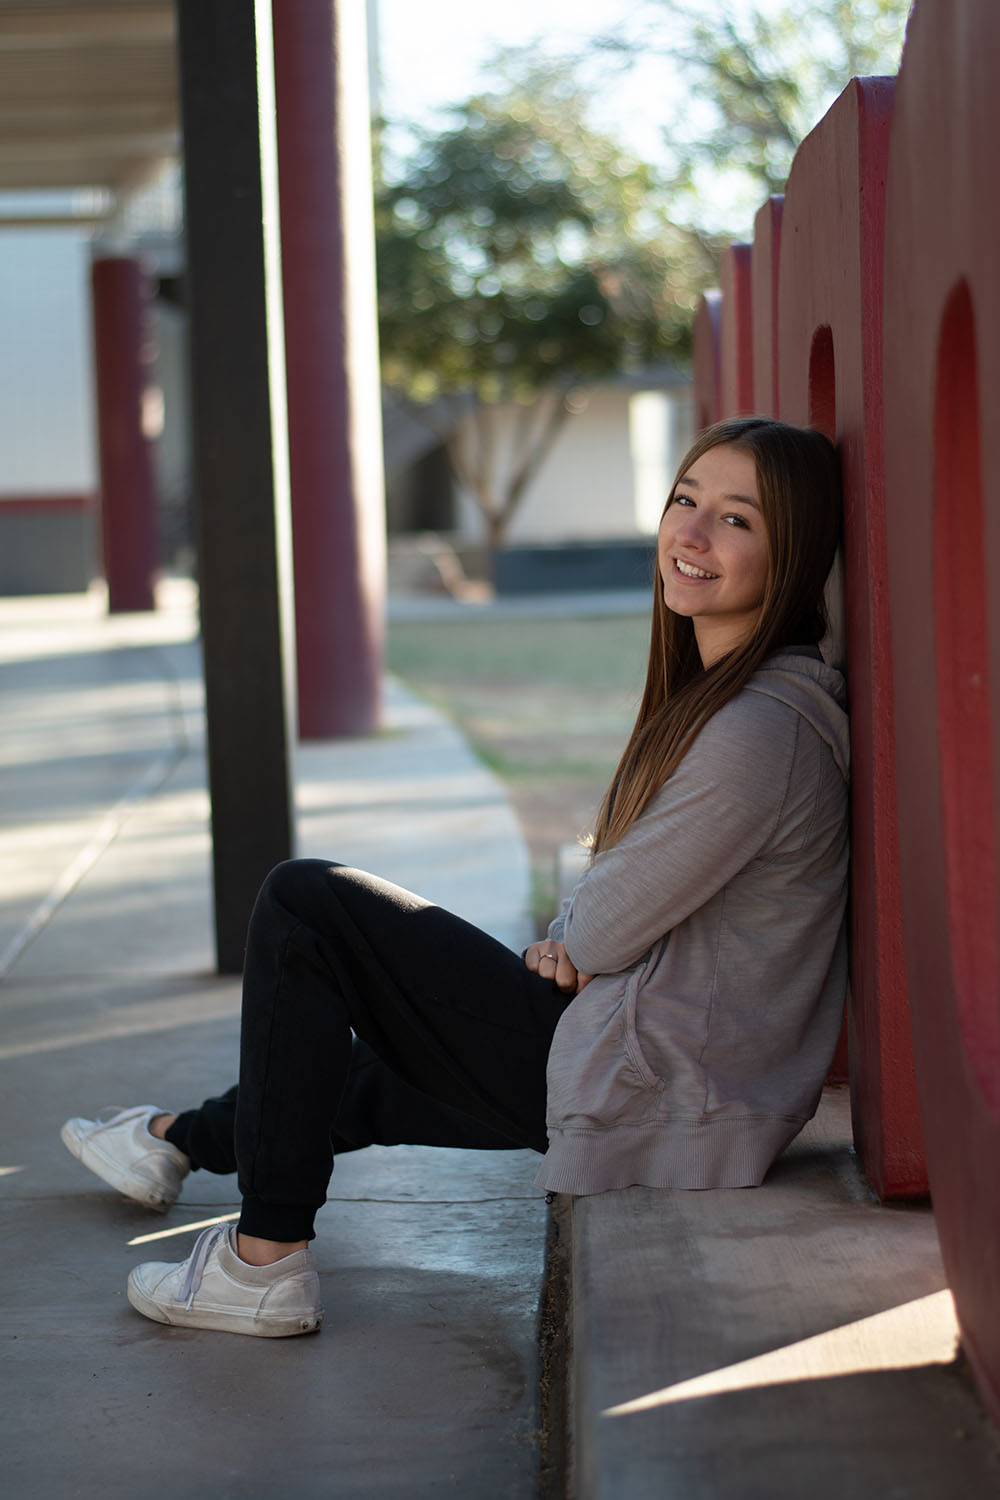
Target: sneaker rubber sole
point(219, 1319)
point(125, 1180)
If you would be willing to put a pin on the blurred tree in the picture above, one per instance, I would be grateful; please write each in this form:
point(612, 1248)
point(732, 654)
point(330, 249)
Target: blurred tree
point(748, 83)
point(522, 255)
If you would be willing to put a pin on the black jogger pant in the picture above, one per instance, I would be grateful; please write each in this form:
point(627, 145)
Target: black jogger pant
point(451, 1036)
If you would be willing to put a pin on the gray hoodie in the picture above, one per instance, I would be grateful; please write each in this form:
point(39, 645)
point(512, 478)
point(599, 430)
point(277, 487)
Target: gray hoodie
point(715, 931)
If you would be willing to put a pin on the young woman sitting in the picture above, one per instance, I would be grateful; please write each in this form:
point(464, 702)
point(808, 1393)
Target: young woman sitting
point(674, 1028)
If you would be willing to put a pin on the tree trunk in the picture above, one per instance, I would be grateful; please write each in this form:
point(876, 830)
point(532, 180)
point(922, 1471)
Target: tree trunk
point(477, 465)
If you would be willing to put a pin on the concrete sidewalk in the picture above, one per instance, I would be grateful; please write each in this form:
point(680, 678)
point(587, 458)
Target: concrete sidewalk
point(797, 1341)
point(424, 1378)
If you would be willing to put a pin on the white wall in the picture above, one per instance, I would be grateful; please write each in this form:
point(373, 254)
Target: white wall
point(172, 452)
point(661, 427)
point(586, 487)
point(47, 422)
point(607, 475)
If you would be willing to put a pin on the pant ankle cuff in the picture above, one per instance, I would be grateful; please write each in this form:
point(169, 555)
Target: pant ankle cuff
point(178, 1135)
point(283, 1222)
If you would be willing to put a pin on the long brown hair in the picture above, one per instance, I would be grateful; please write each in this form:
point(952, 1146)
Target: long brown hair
point(798, 485)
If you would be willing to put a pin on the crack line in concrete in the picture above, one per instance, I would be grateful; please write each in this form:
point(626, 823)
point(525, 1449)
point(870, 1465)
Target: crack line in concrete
point(150, 781)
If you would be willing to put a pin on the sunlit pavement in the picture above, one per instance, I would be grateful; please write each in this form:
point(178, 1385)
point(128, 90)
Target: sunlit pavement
point(423, 1380)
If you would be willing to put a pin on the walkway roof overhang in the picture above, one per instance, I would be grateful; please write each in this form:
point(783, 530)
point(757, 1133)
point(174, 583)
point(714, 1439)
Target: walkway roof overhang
point(88, 98)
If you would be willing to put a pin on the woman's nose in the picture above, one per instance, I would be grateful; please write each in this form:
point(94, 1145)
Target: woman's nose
point(691, 529)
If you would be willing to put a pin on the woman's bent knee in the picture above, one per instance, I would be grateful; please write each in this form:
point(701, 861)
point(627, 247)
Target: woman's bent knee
point(294, 877)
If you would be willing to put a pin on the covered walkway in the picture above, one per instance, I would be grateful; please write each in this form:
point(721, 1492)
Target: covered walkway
point(424, 1380)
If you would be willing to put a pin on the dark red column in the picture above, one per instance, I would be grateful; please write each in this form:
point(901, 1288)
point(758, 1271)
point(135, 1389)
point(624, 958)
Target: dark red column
point(736, 335)
point(128, 504)
point(331, 351)
point(706, 360)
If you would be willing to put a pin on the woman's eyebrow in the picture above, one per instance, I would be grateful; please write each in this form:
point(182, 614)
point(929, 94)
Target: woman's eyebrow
point(739, 499)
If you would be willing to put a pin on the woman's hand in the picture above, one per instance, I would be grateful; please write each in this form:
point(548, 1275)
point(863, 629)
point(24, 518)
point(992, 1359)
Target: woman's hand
point(550, 960)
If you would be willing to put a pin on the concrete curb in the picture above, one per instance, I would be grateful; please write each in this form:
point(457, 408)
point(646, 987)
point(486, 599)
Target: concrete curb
point(766, 1344)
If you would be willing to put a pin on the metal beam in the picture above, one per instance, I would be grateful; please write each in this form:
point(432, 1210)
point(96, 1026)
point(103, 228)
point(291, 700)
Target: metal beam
point(52, 221)
point(86, 146)
point(67, 26)
point(45, 118)
point(87, 91)
point(242, 510)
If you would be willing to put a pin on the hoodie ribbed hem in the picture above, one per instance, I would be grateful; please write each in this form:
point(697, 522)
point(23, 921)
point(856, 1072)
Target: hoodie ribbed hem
point(721, 1153)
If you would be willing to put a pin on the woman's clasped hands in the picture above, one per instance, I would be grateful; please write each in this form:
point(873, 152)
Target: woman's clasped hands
point(550, 960)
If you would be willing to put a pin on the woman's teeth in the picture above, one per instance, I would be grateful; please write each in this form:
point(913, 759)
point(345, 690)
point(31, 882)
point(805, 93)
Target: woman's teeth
point(690, 571)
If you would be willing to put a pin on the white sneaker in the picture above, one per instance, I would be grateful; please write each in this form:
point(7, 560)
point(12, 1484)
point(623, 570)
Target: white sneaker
point(213, 1288)
point(119, 1148)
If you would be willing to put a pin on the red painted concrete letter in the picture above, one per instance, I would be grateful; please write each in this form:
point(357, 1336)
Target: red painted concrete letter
point(707, 370)
point(765, 261)
point(942, 456)
point(736, 333)
point(830, 350)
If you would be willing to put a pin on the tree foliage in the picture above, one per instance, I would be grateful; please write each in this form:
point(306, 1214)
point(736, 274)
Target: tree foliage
point(522, 254)
point(521, 247)
point(749, 84)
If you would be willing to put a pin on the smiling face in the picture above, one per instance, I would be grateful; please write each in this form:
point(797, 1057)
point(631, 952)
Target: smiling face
point(713, 552)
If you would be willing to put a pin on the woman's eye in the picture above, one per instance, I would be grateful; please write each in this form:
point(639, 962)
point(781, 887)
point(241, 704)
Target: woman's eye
point(737, 521)
point(681, 500)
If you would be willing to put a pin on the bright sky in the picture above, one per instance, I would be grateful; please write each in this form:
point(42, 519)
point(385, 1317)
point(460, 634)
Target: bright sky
point(430, 53)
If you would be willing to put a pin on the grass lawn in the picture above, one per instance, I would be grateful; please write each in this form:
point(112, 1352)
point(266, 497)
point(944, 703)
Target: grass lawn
point(546, 702)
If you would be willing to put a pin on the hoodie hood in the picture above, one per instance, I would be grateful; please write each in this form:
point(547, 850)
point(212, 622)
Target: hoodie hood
point(815, 690)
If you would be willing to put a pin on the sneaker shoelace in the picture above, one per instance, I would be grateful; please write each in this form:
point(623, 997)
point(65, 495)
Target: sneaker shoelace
point(203, 1246)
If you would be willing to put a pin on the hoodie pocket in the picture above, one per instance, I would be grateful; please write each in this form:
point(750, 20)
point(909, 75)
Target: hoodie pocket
point(630, 1032)
point(597, 1072)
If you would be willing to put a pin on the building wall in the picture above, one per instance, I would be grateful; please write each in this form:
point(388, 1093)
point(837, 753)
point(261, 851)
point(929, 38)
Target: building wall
point(606, 475)
point(46, 370)
point(48, 461)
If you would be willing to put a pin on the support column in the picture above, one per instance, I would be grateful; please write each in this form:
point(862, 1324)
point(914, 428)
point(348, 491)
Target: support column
point(707, 361)
point(736, 333)
point(238, 447)
point(128, 502)
point(331, 349)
